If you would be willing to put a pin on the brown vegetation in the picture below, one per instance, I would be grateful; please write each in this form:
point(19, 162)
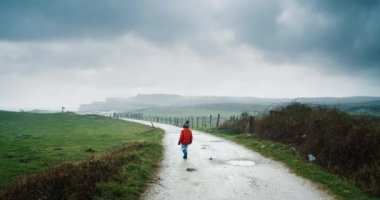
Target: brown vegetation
point(72, 180)
point(347, 145)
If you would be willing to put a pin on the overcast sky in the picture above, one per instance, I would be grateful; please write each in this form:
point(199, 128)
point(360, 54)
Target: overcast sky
point(57, 53)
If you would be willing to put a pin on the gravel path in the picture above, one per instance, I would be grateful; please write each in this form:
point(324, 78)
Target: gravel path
point(219, 169)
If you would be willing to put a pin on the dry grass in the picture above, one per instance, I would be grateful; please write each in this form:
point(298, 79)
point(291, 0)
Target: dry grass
point(347, 145)
point(72, 180)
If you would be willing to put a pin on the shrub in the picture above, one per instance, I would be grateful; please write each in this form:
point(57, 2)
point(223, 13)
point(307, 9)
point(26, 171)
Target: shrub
point(237, 124)
point(347, 145)
point(71, 180)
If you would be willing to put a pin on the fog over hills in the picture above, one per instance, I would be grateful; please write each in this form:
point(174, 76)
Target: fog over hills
point(232, 104)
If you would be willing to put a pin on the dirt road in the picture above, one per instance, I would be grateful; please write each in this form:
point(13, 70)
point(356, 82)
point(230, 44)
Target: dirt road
point(219, 169)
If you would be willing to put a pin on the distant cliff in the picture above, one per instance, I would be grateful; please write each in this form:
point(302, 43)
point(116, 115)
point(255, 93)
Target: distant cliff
point(145, 101)
point(142, 101)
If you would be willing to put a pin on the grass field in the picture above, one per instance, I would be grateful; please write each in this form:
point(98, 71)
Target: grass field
point(32, 143)
point(298, 165)
point(186, 112)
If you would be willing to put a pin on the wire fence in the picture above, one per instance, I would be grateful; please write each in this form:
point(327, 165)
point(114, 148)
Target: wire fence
point(242, 123)
point(195, 122)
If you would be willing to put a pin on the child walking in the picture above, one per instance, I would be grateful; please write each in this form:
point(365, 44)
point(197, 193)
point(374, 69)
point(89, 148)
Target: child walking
point(185, 138)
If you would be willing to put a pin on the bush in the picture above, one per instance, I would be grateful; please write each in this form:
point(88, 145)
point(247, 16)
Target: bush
point(71, 180)
point(237, 124)
point(347, 145)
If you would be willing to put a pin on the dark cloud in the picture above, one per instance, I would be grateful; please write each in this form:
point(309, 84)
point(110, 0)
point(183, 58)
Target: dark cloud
point(55, 19)
point(339, 33)
point(75, 51)
point(343, 35)
point(29, 20)
point(353, 35)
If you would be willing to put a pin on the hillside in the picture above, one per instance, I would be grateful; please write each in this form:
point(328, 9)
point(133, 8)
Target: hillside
point(164, 104)
point(71, 156)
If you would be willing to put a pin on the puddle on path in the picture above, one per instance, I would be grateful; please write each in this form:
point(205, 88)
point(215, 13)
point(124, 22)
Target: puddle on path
point(244, 163)
point(191, 169)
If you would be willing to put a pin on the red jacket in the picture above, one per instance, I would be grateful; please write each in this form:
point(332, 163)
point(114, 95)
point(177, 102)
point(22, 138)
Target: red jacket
point(186, 136)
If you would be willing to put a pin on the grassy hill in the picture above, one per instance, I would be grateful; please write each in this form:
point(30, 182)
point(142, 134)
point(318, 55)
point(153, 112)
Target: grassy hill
point(224, 109)
point(371, 108)
point(33, 144)
point(183, 106)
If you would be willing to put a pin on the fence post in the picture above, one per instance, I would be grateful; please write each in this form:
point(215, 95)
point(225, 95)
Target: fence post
point(210, 120)
point(217, 121)
point(202, 121)
point(251, 124)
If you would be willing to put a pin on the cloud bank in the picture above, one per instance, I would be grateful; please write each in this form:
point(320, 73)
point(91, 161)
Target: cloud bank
point(51, 51)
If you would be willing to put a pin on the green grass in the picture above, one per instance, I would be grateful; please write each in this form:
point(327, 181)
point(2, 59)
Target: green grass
point(31, 143)
point(134, 176)
point(333, 184)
